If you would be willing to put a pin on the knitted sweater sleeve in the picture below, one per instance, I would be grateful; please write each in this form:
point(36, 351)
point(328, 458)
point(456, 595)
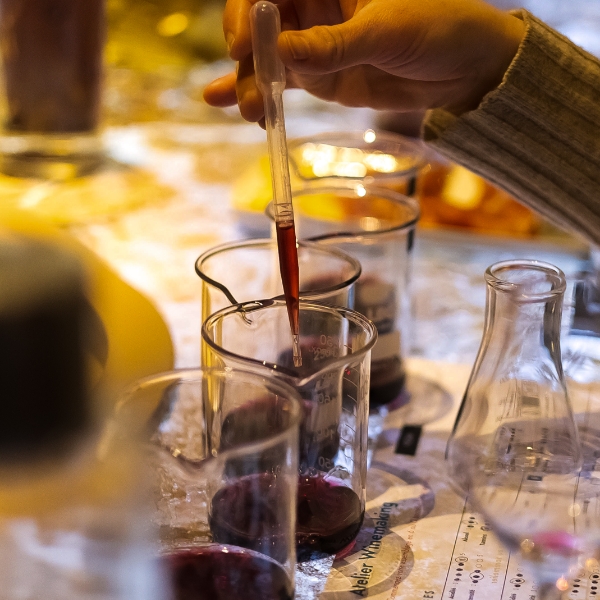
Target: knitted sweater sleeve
point(538, 134)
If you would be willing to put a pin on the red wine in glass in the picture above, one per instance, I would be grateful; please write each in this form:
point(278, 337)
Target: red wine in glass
point(329, 516)
point(377, 299)
point(247, 513)
point(218, 572)
point(387, 381)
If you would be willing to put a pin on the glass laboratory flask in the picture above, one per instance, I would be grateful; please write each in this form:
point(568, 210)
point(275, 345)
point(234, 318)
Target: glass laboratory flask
point(515, 447)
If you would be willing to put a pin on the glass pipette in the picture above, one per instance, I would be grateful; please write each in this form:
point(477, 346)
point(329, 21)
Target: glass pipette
point(270, 79)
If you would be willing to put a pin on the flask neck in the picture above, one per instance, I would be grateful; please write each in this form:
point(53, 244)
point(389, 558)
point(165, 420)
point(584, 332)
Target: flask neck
point(523, 313)
point(529, 332)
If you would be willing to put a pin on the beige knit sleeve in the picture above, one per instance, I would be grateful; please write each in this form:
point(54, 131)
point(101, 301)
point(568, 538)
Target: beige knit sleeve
point(538, 134)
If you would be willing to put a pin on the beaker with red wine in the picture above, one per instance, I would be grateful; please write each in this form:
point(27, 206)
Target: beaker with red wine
point(333, 383)
point(376, 226)
point(223, 450)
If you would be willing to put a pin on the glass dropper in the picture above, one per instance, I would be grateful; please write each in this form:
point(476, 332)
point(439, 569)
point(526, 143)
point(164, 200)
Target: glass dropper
point(270, 79)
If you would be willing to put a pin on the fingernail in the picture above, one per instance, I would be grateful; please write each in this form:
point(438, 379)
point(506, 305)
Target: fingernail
point(230, 39)
point(299, 47)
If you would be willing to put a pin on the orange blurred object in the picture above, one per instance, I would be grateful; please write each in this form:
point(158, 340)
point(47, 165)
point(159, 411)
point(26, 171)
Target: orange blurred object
point(452, 196)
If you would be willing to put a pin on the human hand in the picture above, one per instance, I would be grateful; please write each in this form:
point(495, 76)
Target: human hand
point(401, 55)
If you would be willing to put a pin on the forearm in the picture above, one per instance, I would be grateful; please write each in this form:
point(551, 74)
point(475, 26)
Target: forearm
point(538, 134)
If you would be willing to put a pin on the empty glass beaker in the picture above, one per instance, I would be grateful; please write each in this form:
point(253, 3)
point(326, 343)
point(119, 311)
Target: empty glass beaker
point(515, 446)
point(223, 446)
point(333, 383)
point(376, 226)
point(249, 270)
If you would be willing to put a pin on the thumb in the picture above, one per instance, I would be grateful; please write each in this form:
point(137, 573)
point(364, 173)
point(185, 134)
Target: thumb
point(326, 49)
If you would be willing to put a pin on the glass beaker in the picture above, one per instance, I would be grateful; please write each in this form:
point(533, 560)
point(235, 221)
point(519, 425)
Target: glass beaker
point(52, 71)
point(381, 158)
point(223, 447)
point(376, 226)
point(515, 447)
point(333, 383)
point(249, 270)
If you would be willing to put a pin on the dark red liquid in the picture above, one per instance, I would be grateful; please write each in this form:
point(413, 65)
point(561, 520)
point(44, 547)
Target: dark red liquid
point(288, 264)
point(329, 516)
point(251, 513)
point(377, 300)
point(387, 381)
point(209, 573)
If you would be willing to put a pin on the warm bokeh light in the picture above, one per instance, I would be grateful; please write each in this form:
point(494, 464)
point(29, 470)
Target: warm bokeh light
point(325, 160)
point(562, 584)
point(172, 24)
point(369, 136)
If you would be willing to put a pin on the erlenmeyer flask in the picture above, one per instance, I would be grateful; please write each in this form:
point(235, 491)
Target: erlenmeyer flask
point(515, 447)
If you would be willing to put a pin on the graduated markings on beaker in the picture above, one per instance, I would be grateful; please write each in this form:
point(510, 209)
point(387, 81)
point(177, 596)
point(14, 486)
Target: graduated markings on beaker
point(347, 379)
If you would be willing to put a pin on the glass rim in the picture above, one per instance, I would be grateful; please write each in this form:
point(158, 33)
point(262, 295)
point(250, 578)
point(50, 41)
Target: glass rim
point(270, 242)
point(353, 185)
point(255, 305)
point(388, 137)
point(197, 374)
point(557, 278)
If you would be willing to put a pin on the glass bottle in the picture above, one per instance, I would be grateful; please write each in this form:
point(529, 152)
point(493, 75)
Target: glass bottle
point(515, 447)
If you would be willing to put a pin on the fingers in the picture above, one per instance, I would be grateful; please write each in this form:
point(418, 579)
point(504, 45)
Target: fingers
point(221, 92)
point(237, 88)
point(236, 24)
point(327, 49)
point(236, 27)
point(249, 98)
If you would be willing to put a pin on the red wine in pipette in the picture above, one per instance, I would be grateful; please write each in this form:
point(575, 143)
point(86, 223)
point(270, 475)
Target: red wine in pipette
point(288, 264)
point(270, 78)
